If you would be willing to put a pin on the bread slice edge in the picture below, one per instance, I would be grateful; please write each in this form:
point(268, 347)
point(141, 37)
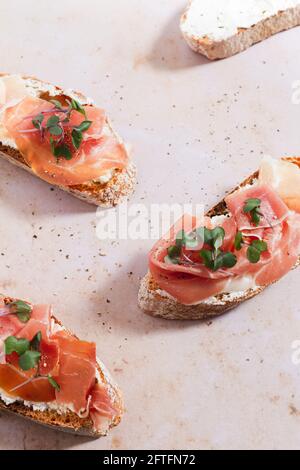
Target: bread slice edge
point(244, 38)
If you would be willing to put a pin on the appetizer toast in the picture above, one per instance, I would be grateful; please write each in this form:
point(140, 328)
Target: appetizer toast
point(51, 377)
point(61, 137)
point(222, 28)
point(263, 243)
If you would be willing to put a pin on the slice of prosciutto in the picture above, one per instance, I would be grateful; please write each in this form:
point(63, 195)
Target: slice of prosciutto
point(70, 362)
point(191, 282)
point(99, 152)
point(284, 177)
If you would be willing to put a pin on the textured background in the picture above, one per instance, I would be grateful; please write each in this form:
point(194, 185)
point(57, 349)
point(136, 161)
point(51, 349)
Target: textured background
point(197, 129)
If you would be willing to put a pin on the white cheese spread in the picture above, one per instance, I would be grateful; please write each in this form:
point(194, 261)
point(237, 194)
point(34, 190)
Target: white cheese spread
point(221, 19)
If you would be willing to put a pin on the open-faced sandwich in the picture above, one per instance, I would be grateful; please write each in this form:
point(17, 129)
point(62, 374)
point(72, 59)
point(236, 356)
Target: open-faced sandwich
point(64, 139)
point(251, 239)
point(222, 28)
point(50, 376)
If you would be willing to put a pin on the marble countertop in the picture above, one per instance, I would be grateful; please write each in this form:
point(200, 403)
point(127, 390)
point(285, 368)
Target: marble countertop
point(196, 129)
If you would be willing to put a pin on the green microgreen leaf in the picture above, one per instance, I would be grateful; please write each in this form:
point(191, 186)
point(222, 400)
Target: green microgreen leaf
point(251, 204)
point(217, 261)
point(76, 106)
point(228, 260)
point(83, 126)
point(187, 240)
point(36, 341)
point(238, 241)
point(52, 145)
point(53, 383)
point(52, 121)
point(173, 255)
point(174, 251)
point(22, 309)
point(252, 207)
point(37, 121)
point(255, 250)
point(255, 217)
point(214, 237)
point(29, 360)
point(76, 138)
point(57, 104)
point(61, 150)
point(55, 130)
point(18, 345)
point(207, 257)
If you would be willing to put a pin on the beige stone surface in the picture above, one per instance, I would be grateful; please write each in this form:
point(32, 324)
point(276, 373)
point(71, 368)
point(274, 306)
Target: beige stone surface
point(197, 129)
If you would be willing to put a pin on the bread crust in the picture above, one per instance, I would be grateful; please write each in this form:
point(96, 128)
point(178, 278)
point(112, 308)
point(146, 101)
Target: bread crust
point(109, 194)
point(70, 422)
point(158, 303)
point(245, 38)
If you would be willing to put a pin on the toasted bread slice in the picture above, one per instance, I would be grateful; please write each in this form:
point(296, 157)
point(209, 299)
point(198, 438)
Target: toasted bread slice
point(70, 421)
point(105, 192)
point(159, 303)
point(220, 29)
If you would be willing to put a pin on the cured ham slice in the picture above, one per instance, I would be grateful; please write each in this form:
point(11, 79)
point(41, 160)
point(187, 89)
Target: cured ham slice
point(272, 207)
point(77, 371)
point(10, 325)
point(190, 281)
point(285, 255)
point(101, 407)
point(98, 153)
point(284, 177)
point(16, 384)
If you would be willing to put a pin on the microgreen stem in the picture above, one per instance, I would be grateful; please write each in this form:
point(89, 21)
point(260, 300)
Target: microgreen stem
point(35, 377)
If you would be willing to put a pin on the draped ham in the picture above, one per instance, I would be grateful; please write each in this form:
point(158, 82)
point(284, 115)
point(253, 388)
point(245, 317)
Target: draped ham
point(99, 152)
point(182, 281)
point(190, 282)
point(101, 407)
point(77, 371)
point(68, 360)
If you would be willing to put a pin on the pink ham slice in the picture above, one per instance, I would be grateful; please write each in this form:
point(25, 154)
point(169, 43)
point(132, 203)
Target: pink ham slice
point(284, 255)
point(10, 325)
point(77, 369)
point(102, 409)
point(284, 177)
point(272, 207)
point(98, 152)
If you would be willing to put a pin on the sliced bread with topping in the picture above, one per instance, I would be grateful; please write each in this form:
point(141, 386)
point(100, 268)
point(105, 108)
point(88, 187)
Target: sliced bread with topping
point(156, 302)
point(110, 188)
point(51, 414)
point(219, 29)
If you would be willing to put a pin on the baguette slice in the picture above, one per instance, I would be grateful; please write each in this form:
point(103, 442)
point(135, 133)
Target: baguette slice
point(108, 193)
point(221, 28)
point(70, 422)
point(158, 303)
